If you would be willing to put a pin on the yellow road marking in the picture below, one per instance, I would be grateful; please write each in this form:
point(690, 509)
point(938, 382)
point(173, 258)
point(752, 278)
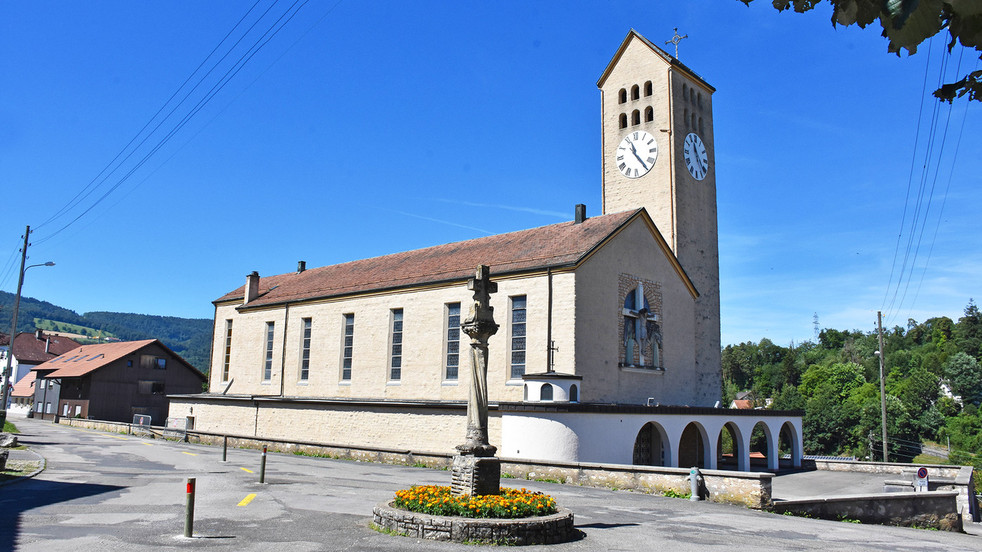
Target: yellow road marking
point(118, 437)
point(188, 453)
point(246, 469)
point(147, 444)
point(248, 498)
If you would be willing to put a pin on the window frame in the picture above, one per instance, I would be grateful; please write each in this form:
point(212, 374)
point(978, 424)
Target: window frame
point(396, 328)
point(227, 361)
point(448, 321)
point(347, 346)
point(268, 352)
point(512, 326)
point(306, 330)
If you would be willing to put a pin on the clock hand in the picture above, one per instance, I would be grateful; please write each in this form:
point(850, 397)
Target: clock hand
point(638, 157)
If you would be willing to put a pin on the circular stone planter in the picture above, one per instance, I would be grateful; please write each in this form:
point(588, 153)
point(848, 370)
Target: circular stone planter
point(549, 529)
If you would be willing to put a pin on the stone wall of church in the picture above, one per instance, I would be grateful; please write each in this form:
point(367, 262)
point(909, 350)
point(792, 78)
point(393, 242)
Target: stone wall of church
point(399, 426)
point(424, 343)
point(599, 338)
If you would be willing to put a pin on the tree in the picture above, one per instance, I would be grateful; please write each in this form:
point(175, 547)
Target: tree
point(964, 377)
point(907, 23)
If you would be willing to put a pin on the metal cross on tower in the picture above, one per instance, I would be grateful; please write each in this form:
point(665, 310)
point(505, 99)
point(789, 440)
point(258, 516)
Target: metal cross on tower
point(675, 40)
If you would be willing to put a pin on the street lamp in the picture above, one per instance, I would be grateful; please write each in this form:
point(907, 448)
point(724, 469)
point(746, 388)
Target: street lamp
point(13, 332)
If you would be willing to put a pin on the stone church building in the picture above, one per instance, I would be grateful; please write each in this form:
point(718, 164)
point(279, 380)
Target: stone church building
point(609, 342)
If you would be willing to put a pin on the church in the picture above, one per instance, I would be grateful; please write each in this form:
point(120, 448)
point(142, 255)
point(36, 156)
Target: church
point(608, 348)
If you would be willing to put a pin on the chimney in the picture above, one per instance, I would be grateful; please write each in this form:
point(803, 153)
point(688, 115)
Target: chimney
point(301, 266)
point(580, 213)
point(47, 346)
point(38, 334)
point(251, 287)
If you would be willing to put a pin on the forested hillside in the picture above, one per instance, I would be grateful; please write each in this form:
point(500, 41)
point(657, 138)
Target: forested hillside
point(836, 382)
point(188, 337)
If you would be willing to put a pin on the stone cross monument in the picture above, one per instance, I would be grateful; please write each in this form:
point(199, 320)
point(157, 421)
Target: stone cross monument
point(475, 469)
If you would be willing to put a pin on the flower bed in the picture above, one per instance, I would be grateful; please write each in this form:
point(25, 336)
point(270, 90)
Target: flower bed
point(510, 504)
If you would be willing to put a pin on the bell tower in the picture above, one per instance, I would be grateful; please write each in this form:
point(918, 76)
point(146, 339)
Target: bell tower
point(658, 153)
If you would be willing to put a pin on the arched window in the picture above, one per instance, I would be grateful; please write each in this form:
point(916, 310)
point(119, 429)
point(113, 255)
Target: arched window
point(692, 95)
point(647, 88)
point(694, 121)
point(685, 118)
point(574, 395)
point(649, 114)
point(685, 92)
point(699, 100)
point(525, 392)
point(546, 392)
point(700, 125)
point(622, 96)
point(635, 92)
point(636, 117)
point(642, 331)
point(623, 120)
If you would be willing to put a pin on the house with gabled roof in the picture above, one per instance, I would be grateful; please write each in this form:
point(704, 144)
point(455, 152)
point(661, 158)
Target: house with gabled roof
point(113, 381)
point(31, 349)
point(608, 348)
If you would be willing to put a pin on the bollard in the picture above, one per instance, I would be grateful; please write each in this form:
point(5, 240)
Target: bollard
point(189, 510)
point(262, 467)
point(695, 480)
point(225, 449)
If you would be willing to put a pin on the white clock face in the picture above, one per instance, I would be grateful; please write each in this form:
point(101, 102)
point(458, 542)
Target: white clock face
point(696, 159)
point(636, 154)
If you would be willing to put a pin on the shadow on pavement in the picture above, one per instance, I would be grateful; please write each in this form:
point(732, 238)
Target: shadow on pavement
point(34, 493)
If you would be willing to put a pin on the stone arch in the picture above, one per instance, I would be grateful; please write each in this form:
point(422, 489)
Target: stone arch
point(545, 394)
point(525, 392)
point(652, 447)
point(685, 91)
point(623, 120)
point(574, 395)
point(636, 117)
point(761, 447)
point(649, 114)
point(647, 88)
point(694, 447)
point(789, 443)
point(635, 92)
point(729, 454)
point(622, 96)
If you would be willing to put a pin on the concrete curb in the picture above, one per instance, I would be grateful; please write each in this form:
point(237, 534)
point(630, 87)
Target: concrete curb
point(43, 464)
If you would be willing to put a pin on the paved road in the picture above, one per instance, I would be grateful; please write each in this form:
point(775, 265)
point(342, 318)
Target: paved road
point(104, 491)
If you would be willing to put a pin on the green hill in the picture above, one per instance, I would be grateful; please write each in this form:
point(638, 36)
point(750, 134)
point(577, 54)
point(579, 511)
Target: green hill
point(188, 337)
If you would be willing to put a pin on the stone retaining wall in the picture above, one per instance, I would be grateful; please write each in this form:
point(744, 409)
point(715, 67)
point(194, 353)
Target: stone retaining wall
point(749, 489)
point(935, 510)
point(552, 529)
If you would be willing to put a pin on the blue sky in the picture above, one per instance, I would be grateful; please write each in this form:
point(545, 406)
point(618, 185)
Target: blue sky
point(367, 128)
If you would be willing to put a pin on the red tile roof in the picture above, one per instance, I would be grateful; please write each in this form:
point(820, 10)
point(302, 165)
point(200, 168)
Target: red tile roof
point(557, 245)
point(88, 358)
point(25, 387)
point(31, 350)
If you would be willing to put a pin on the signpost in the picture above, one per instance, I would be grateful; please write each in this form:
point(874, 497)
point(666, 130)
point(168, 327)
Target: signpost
point(921, 486)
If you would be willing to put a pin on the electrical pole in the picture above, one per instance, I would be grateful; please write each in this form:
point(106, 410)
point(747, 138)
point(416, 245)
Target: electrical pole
point(13, 332)
point(883, 393)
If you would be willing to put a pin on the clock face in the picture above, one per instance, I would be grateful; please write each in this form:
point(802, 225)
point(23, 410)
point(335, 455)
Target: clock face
point(636, 154)
point(696, 159)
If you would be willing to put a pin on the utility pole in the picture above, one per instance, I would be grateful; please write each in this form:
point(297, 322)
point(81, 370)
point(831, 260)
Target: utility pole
point(13, 332)
point(883, 393)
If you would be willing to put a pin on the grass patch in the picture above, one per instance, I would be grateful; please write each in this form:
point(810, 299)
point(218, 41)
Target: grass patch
point(672, 493)
point(929, 459)
point(299, 452)
point(9, 427)
point(510, 504)
point(15, 470)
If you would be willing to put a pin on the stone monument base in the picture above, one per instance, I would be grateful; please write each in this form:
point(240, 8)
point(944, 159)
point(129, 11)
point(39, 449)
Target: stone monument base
point(475, 475)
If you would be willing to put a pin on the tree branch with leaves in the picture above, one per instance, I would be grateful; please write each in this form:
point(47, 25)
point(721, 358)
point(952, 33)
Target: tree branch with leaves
point(907, 23)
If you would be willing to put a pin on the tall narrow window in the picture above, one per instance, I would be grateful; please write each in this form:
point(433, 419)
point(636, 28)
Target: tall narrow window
point(642, 332)
point(349, 340)
point(649, 114)
point(518, 336)
point(647, 88)
point(453, 340)
point(622, 96)
point(228, 350)
point(636, 117)
point(305, 350)
point(635, 92)
point(623, 120)
point(395, 357)
point(268, 364)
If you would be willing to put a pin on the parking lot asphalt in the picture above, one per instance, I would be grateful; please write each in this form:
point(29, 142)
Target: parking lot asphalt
point(103, 491)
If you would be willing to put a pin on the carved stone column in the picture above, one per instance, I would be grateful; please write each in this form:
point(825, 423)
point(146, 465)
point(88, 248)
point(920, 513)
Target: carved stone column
point(475, 470)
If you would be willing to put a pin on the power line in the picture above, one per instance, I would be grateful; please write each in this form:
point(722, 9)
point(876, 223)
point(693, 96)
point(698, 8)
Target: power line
point(267, 35)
